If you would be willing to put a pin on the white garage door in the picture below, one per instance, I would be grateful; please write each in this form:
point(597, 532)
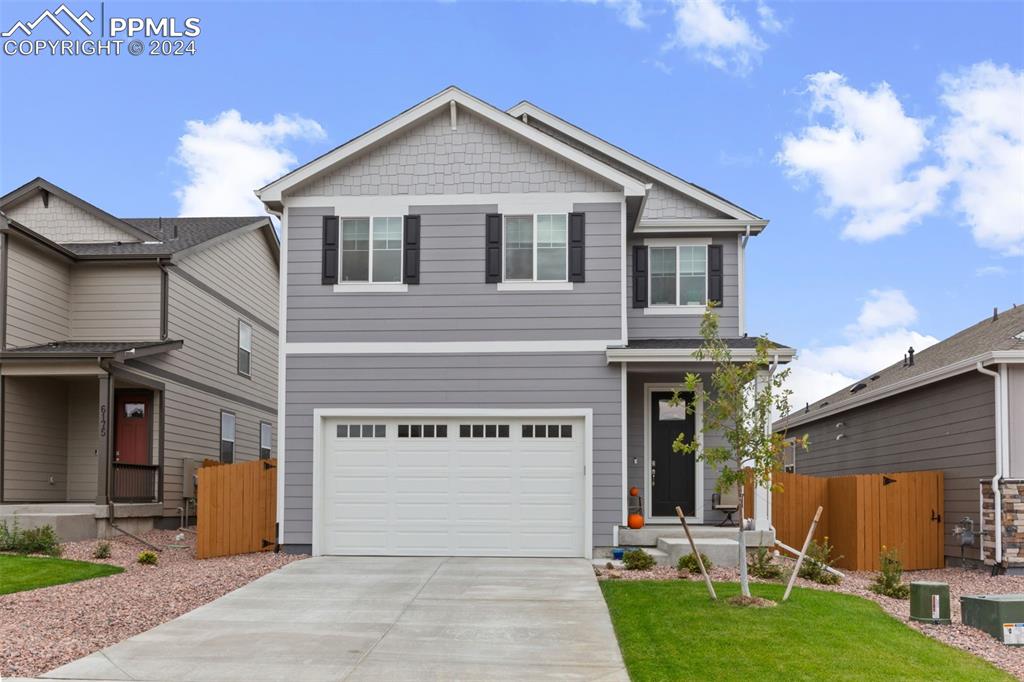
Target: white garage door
point(453, 487)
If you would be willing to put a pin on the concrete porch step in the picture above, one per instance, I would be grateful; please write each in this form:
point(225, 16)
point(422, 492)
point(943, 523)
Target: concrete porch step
point(648, 536)
point(70, 527)
point(721, 551)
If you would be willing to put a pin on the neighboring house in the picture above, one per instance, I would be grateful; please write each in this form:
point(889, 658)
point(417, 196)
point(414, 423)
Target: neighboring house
point(939, 409)
point(483, 316)
point(129, 346)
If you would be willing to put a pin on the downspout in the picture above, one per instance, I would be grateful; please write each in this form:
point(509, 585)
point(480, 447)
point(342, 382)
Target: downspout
point(997, 497)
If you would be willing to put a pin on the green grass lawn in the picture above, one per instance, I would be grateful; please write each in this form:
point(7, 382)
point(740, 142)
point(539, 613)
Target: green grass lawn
point(19, 573)
point(672, 631)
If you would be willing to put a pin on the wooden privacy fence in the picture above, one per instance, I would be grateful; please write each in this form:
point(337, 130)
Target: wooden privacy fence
point(236, 508)
point(863, 513)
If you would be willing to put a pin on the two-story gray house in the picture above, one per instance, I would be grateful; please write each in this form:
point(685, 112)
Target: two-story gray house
point(130, 349)
point(483, 316)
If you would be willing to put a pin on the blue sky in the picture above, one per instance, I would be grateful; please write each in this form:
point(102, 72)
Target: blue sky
point(716, 92)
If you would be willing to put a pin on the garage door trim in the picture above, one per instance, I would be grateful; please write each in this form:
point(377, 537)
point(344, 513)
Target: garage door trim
point(322, 414)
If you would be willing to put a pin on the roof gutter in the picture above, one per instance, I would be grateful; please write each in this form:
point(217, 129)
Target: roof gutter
point(1002, 465)
point(779, 355)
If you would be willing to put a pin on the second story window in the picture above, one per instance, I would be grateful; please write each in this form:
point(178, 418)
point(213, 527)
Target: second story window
point(244, 348)
point(536, 248)
point(371, 250)
point(678, 275)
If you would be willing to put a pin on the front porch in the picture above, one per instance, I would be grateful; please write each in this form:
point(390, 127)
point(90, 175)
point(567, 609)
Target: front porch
point(81, 443)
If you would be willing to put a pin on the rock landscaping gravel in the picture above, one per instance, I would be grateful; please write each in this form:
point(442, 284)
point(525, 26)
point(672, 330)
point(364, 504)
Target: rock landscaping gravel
point(961, 582)
point(46, 628)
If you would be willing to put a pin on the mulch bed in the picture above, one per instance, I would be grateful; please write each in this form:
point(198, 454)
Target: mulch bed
point(46, 628)
point(961, 582)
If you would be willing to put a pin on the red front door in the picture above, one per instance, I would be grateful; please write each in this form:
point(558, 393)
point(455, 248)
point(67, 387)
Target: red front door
point(131, 426)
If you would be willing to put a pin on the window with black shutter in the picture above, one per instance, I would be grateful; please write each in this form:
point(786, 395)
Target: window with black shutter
point(577, 247)
point(329, 251)
point(411, 243)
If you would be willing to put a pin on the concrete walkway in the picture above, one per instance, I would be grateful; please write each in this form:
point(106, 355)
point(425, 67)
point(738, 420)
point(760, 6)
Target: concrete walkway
point(393, 619)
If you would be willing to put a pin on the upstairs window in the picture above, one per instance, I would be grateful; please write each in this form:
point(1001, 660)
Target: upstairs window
point(536, 248)
point(371, 249)
point(244, 348)
point(678, 275)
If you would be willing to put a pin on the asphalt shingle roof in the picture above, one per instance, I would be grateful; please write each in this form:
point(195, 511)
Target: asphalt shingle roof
point(85, 347)
point(1004, 333)
point(190, 232)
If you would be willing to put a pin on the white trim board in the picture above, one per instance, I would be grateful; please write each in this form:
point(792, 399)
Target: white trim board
point(512, 202)
point(687, 355)
point(638, 164)
point(274, 191)
point(444, 347)
point(587, 414)
point(698, 415)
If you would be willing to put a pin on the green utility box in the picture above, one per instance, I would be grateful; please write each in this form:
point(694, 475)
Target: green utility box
point(929, 602)
point(1000, 615)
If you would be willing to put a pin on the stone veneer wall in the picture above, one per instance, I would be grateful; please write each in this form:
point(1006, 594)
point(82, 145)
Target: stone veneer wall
point(1012, 490)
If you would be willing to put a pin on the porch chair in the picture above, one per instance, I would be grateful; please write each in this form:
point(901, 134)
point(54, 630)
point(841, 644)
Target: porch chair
point(727, 503)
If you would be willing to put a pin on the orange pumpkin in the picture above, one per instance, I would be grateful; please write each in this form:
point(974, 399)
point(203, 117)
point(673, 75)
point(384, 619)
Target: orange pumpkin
point(635, 521)
point(634, 491)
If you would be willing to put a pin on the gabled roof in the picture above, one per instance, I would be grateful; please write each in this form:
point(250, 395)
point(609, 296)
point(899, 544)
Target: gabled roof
point(993, 340)
point(641, 169)
point(43, 185)
point(272, 193)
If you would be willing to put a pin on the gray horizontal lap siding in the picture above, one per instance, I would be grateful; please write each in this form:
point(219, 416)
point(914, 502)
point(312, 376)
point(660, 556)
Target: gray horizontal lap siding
point(452, 301)
point(947, 426)
point(514, 381)
point(643, 326)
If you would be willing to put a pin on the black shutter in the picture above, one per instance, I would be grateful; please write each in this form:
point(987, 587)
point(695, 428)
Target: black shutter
point(577, 247)
point(639, 276)
point(493, 248)
point(329, 251)
point(411, 246)
point(715, 273)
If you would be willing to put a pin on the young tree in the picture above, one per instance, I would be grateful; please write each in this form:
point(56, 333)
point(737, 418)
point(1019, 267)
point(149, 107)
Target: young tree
point(738, 406)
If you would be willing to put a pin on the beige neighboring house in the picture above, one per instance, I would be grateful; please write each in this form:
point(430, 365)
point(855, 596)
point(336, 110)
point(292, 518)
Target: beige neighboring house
point(129, 350)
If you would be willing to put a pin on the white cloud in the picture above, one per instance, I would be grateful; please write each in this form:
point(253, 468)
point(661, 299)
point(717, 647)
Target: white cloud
point(716, 34)
point(863, 158)
point(766, 18)
point(228, 157)
point(886, 308)
point(984, 150)
point(630, 12)
point(878, 338)
point(991, 271)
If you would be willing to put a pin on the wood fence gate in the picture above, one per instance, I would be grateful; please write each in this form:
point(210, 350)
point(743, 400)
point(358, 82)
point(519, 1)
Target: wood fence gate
point(864, 513)
point(236, 510)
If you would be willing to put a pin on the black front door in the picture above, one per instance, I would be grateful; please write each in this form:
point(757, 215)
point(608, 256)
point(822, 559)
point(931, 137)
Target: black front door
point(673, 474)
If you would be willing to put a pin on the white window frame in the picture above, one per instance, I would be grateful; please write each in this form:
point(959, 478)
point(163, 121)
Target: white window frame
point(233, 439)
point(270, 440)
point(676, 308)
point(533, 284)
point(370, 286)
point(240, 348)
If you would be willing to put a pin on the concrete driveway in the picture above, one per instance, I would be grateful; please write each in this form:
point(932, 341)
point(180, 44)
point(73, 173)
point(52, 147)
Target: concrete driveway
point(398, 618)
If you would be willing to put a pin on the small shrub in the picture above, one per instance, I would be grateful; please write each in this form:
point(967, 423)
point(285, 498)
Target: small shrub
point(889, 581)
point(637, 560)
point(147, 558)
point(102, 551)
point(760, 565)
point(42, 540)
point(688, 562)
point(818, 559)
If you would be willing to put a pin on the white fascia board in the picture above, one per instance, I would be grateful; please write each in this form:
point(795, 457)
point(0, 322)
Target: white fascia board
point(961, 367)
point(727, 225)
point(272, 192)
point(687, 355)
point(634, 162)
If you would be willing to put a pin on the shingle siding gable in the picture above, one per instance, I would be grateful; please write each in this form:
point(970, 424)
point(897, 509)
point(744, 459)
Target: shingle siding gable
point(476, 158)
point(63, 222)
